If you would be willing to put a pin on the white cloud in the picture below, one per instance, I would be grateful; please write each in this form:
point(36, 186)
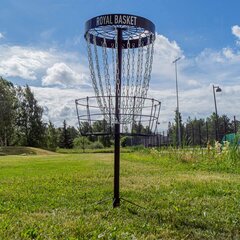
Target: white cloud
point(197, 102)
point(236, 31)
point(59, 104)
point(1, 35)
point(165, 51)
point(23, 62)
point(195, 78)
point(34, 64)
point(61, 74)
point(65, 70)
point(193, 83)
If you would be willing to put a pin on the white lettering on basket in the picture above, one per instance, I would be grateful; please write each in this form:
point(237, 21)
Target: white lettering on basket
point(116, 19)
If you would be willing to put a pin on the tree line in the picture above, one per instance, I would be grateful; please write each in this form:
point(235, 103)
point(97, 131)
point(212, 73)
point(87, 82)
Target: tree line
point(21, 124)
point(21, 121)
point(202, 131)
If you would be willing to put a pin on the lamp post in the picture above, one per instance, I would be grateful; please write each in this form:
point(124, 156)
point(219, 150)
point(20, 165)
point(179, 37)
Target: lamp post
point(218, 89)
point(178, 119)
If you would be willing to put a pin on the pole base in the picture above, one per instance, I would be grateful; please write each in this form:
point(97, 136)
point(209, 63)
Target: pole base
point(116, 202)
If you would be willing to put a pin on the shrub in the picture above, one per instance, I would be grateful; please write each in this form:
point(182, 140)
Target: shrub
point(125, 141)
point(96, 145)
point(81, 142)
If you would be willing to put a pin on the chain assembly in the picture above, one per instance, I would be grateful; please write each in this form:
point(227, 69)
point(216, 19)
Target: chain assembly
point(131, 83)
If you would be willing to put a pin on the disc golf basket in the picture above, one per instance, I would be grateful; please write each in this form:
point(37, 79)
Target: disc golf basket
point(120, 53)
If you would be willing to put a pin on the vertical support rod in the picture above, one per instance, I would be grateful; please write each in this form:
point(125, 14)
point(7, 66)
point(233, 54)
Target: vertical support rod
point(116, 198)
point(193, 140)
point(215, 103)
point(178, 117)
point(200, 134)
point(207, 132)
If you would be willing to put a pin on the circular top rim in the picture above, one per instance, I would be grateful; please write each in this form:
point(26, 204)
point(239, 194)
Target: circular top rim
point(120, 20)
point(101, 29)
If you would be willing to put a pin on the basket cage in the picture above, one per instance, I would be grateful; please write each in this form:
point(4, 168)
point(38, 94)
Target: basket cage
point(140, 122)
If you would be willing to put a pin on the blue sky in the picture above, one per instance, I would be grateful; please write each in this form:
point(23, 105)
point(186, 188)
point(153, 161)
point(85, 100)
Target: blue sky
point(42, 40)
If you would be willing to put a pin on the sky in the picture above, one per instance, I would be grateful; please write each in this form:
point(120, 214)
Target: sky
point(42, 44)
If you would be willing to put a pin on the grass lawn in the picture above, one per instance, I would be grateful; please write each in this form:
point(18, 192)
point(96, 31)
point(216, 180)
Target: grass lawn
point(54, 197)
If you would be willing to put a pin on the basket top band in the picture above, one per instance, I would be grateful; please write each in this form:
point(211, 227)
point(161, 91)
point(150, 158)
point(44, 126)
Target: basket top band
point(103, 28)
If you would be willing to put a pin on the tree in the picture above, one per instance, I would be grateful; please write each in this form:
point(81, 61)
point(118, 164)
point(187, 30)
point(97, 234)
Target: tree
point(195, 132)
point(81, 142)
point(101, 126)
point(30, 125)
point(173, 128)
point(225, 126)
point(65, 140)
point(7, 112)
point(73, 132)
point(52, 137)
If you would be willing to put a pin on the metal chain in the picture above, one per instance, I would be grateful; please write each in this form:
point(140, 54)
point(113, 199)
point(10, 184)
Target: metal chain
point(106, 74)
point(140, 79)
point(106, 67)
point(92, 72)
point(123, 92)
point(128, 76)
point(132, 78)
point(150, 68)
point(123, 73)
point(146, 72)
point(136, 74)
point(138, 66)
point(113, 77)
point(99, 74)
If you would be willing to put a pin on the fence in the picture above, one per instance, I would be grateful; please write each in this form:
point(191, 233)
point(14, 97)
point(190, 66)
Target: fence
point(192, 134)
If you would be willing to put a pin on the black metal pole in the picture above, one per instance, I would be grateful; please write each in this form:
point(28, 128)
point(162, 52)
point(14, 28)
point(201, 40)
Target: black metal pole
point(207, 132)
point(116, 198)
point(200, 135)
point(193, 140)
point(178, 116)
point(215, 103)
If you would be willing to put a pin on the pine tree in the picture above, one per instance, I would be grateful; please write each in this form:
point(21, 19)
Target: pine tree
point(30, 124)
point(7, 112)
point(52, 137)
point(65, 140)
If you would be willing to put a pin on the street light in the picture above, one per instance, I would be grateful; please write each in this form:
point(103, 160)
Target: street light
point(218, 89)
point(178, 118)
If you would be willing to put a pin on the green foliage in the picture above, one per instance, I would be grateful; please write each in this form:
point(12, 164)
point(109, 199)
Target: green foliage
point(124, 141)
point(81, 142)
point(198, 132)
point(31, 128)
point(96, 145)
point(21, 116)
point(52, 137)
point(137, 127)
point(173, 128)
point(65, 139)
point(101, 126)
point(8, 114)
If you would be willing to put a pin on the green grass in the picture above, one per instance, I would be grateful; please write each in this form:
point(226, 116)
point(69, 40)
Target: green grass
point(54, 197)
point(88, 150)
